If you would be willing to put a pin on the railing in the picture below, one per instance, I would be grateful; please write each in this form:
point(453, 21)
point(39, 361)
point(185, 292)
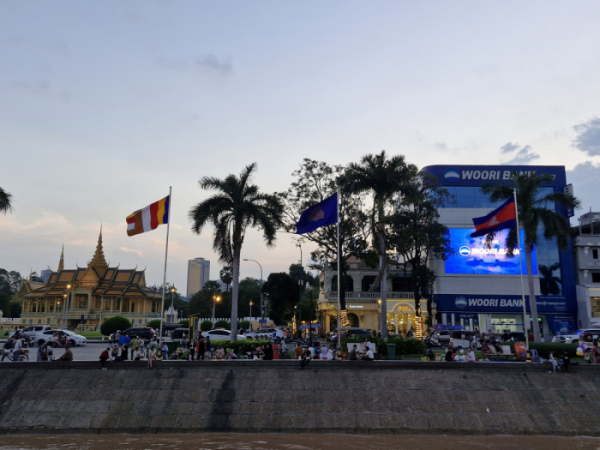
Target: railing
point(373, 295)
point(250, 319)
point(10, 320)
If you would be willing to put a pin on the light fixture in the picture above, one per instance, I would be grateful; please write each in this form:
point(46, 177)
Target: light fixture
point(68, 286)
point(173, 290)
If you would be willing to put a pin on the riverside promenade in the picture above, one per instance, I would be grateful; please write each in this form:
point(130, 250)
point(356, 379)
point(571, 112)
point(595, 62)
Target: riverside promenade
point(398, 397)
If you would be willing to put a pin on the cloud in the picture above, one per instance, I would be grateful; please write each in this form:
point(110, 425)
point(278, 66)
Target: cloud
point(588, 138)
point(523, 156)
point(584, 178)
point(38, 88)
point(206, 63)
point(129, 250)
point(441, 146)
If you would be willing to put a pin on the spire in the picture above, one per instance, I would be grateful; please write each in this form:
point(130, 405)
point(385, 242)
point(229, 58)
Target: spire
point(61, 264)
point(98, 261)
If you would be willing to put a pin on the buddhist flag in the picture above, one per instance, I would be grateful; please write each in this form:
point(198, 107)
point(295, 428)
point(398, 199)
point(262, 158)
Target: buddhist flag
point(499, 219)
point(319, 215)
point(148, 218)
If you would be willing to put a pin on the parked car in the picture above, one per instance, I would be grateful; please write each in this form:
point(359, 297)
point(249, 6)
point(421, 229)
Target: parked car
point(145, 333)
point(31, 331)
point(179, 333)
point(221, 334)
point(443, 336)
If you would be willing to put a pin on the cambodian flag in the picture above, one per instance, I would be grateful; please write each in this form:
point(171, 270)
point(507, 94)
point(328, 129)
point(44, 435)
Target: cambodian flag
point(499, 219)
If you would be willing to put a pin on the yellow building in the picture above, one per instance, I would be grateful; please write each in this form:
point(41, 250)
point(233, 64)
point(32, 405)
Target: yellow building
point(92, 295)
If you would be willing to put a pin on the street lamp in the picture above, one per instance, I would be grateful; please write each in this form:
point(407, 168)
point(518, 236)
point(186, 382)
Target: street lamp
point(261, 281)
point(251, 303)
point(216, 298)
point(66, 298)
point(173, 290)
point(299, 306)
point(310, 289)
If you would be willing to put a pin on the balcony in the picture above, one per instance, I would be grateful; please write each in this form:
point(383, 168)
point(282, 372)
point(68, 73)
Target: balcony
point(372, 296)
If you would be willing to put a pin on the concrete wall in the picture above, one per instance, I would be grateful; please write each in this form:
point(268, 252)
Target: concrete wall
point(329, 396)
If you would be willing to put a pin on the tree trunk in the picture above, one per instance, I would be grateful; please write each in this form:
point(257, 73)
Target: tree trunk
point(383, 283)
point(532, 301)
point(235, 288)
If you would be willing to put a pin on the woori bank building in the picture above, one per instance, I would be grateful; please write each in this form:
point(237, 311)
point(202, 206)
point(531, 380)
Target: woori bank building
point(479, 287)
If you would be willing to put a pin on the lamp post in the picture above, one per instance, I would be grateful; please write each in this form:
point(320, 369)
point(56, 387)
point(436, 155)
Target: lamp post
point(66, 298)
point(264, 305)
point(310, 289)
point(216, 298)
point(173, 290)
point(299, 306)
point(261, 281)
point(251, 303)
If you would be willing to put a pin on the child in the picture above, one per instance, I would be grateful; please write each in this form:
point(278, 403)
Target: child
point(553, 361)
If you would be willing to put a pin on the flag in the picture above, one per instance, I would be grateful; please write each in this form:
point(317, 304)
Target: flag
point(499, 219)
point(319, 215)
point(148, 218)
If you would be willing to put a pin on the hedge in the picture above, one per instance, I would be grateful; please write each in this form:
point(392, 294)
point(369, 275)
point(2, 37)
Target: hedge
point(244, 325)
point(114, 324)
point(404, 346)
point(222, 324)
point(544, 348)
point(239, 346)
point(154, 323)
point(206, 325)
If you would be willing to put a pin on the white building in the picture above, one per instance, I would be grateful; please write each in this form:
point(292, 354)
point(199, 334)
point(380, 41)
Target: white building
point(587, 261)
point(198, 274)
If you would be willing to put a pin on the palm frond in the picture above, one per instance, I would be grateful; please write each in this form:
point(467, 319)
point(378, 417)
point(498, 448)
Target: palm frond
point(5, 201)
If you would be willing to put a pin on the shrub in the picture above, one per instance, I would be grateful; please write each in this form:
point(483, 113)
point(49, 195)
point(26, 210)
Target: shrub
point(223, 324)
point(404, 346)
point(184, 323)
point(114, 324)
point(155, 323)
point(544, 348)
point(244, 325)
point(239, 346)
point(206, 325)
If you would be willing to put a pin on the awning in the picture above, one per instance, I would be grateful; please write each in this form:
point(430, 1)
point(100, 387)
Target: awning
point(306, 327)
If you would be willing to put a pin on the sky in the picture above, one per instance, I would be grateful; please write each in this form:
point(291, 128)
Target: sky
point(104, 105)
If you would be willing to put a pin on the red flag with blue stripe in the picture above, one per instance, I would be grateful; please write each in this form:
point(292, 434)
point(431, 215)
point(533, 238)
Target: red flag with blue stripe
point(499, 219)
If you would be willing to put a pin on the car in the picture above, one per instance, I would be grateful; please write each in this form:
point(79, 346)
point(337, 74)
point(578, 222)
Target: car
point(575, 337)
point(358, 332)
point(265, 333)
point(145, 333)
point(221, 334)
point(44, 337)
point(31, 331)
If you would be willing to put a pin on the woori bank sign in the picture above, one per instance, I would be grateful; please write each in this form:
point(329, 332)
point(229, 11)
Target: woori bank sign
point(501, 303)
point(478, 175)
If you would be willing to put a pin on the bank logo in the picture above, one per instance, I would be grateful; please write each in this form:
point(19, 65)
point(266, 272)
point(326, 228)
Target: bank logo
point(451, 175)
point(460, 302)
point(464, 251)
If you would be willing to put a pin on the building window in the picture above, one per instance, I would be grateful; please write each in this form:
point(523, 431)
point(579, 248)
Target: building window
point(367, 282)
point(595, 277)
point(595, 253)
point(349, 287)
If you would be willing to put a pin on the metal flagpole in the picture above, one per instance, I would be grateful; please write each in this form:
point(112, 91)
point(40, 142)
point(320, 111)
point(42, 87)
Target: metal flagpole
point(162, 308)
point(339, 276)
point(521, 270)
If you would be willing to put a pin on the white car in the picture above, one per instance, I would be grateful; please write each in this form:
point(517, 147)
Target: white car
point(46, 336)
point(574, 338)
point(265, 334)
point(221, 335)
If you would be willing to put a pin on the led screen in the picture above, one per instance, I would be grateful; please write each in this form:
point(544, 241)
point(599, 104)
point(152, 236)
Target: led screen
point(471, 256)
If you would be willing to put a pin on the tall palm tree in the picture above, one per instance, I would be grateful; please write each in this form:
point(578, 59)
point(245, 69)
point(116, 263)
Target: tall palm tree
point(236, 206)
point(533, 212)
point(385, 178)
point(5, 198)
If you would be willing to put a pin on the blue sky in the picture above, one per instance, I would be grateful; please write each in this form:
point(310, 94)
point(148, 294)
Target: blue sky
point(105, 104)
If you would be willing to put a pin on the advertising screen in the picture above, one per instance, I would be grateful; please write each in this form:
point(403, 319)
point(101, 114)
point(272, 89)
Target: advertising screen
point(471, 256)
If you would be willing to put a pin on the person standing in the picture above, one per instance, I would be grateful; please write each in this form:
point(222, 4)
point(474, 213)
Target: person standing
point(151, 356)
point(201, 348)
point(17, 346)
point(208, 345)
point(566, 361)
point(8, 345)
point(134, 345)
point(103, 358)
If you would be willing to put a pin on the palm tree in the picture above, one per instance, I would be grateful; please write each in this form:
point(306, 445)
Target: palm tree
point(5, 205)
point(236, 206)
point(533, 213)
point(385, 178)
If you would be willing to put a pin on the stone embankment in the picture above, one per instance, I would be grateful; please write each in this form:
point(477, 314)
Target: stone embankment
point(274, 396)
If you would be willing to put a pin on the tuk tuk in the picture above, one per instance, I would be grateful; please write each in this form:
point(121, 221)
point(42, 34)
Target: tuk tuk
point(461, 338)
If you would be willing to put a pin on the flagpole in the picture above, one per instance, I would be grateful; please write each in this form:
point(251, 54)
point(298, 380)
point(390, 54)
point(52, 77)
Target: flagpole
point(339, 277)
point(521, 270)
point(162, 309)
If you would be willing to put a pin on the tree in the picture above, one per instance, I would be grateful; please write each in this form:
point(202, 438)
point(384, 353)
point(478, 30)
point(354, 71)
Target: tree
point(5, 201)
point(534, 215)
point(236, 206)
point(297, 272)
point(417, 235)
point(184, 323)
point(223, 324)
point(250, 289)
point(226, 276)
point(314, 182)
point(10, 281)
point(155, 323)
point(114, 324)
point(283, 295)
point(206, 325)
point(201, 302)
point(5, 304)
point(386, 179)
point(175, 298)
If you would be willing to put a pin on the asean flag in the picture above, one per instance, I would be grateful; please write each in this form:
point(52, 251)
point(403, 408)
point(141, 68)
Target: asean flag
point(148, 218)
point(499, 219)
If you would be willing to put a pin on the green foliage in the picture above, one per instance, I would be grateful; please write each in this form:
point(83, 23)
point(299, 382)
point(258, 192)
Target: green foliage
point(206, 325)
point(283, 295)
point(223, 324)
point(244, 325)
point(155, 323)
point(242, 346)
point(5, 304)
point(404, 346)
point(544, 348)
point(249, 290)
point(226, 275)
point(184, 323)
point(5, 201)
point(112, 325)
point(10, 282)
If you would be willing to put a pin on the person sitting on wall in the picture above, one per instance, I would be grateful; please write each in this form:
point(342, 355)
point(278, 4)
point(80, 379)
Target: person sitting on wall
point(485, 349)
point(220, 353)
point(449, 355)
point(67, 355)
point(299, 351)
point(352, 354)
point(369, 356)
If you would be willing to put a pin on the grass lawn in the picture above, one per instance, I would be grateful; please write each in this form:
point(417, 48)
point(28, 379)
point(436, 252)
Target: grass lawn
point(90, 334)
